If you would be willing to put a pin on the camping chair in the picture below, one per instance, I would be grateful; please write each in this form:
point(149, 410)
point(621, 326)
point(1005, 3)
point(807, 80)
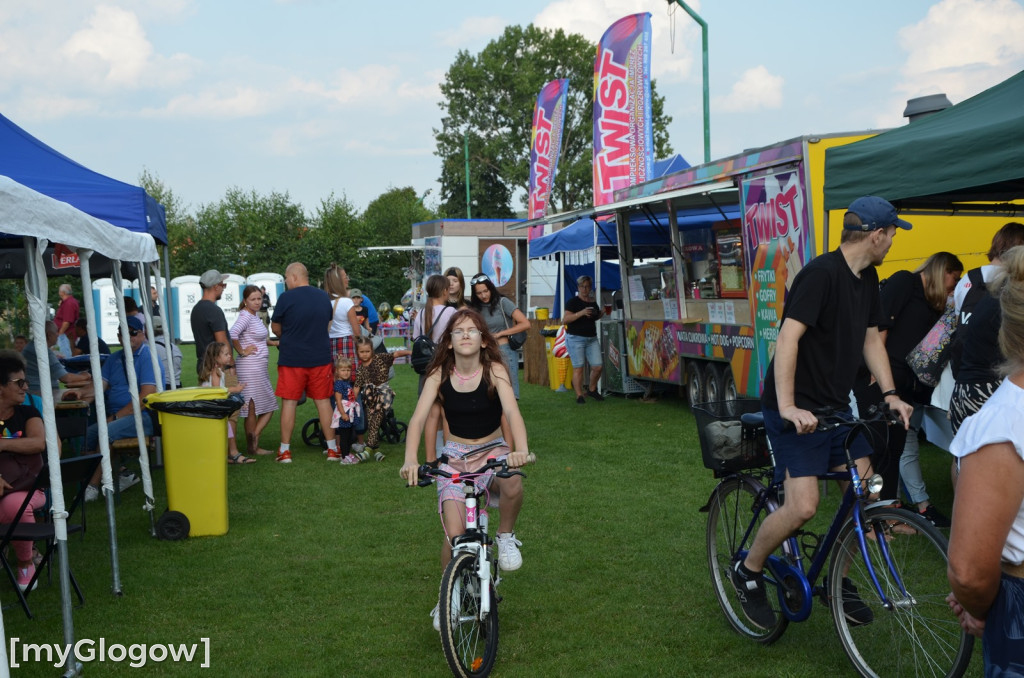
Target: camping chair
point(75, 472)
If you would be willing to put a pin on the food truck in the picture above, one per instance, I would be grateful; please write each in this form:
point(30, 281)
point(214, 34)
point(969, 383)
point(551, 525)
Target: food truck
point(705, 314)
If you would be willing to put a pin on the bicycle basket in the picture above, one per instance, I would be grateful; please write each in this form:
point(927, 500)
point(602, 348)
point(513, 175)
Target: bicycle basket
point(726, 444)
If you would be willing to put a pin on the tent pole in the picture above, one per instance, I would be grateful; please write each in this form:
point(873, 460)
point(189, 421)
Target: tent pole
point(169, 319)
point(101, 415)
point(35, 292)
point(168, 333)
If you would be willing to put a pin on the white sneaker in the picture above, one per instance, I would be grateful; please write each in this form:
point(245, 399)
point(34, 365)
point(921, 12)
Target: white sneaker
point(357, 447)
point(436, 615)
point(92, 493)
point(509, 557)
point(126, 480)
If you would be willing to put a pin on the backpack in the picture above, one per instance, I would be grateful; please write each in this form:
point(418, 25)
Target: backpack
point(423, 348)
point(978, 290)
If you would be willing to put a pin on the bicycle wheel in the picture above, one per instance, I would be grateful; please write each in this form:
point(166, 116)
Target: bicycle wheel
point(920, 635)
point(470, 645)
point(730, 512)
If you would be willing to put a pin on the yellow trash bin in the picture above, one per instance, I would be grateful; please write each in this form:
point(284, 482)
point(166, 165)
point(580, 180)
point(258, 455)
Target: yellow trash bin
point(559, 369)
point(195, 445)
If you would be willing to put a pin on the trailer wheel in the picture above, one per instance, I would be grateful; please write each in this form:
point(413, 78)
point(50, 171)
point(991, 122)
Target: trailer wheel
point(694, 383)
point(729, 392)
point(713, 383)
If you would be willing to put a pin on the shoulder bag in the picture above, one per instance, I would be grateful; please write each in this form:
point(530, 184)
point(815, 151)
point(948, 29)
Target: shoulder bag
point(930, 356)
point(515, 341)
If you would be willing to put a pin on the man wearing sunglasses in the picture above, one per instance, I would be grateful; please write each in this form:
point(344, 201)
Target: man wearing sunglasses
point(120, 412)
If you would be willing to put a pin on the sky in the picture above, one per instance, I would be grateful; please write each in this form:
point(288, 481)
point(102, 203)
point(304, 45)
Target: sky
point(316, 98)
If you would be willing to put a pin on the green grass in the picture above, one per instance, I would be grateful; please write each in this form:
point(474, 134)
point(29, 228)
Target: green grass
point(331, 570)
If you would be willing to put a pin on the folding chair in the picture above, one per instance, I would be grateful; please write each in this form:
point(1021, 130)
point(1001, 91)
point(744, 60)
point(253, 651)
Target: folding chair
point(75, 473)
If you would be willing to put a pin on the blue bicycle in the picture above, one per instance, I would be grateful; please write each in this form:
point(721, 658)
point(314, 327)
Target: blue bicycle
point(886, 581)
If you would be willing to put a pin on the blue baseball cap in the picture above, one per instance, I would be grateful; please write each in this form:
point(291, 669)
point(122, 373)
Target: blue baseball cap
point(135, 323)
point(874, 213)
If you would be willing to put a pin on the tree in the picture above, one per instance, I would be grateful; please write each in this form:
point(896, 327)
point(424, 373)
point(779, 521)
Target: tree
point(244, 233)
point(490, 97)
point(388, 221)
point(181, 226)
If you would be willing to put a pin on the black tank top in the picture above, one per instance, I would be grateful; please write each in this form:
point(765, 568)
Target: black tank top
point(471, 415)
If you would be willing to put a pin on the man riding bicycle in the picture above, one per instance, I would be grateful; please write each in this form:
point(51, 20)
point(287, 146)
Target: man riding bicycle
point(829, 325)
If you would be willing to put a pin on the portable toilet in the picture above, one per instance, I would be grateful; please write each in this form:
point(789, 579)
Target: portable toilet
point(185, 293)
point(231, 297)
point(104, 299)
point(273, 282)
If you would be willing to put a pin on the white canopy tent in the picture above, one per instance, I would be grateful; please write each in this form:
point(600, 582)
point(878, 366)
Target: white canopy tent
point(40, 220)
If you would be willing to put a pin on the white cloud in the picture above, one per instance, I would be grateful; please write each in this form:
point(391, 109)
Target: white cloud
point(962, 47)
point(673, 57)
point(756, 89)
point(472, 29)
point(242, 102)
point(117, 41)
point(369, 83)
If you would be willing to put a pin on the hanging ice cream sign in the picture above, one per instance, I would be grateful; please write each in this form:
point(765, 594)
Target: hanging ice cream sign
point(777, 244)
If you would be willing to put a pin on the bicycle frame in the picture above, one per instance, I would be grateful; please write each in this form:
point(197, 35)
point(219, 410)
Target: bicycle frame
point(475, 540)
point(783, 574)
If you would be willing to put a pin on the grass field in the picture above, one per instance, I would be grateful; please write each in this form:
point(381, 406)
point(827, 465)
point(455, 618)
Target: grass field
point(331, 570)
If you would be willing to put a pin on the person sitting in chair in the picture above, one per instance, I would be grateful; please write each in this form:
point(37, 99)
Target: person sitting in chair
point(120, 412)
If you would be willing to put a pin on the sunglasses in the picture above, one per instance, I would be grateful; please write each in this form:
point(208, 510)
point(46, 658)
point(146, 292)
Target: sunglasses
point(133, 333)
point(477, 279)
point(20, 383)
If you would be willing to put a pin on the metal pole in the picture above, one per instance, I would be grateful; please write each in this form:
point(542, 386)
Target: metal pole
point(465, 137)
point(704, 53)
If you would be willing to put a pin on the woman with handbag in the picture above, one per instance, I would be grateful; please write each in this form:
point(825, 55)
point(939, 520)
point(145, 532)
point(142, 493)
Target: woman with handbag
point(506, 322)
point(22, 441)
point(912, 302)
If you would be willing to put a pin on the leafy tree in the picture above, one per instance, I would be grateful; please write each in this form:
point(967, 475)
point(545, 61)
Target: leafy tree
point(181, 226)
point(244, 233)
point(388, 221)
point(335, 235)
point(490, 96)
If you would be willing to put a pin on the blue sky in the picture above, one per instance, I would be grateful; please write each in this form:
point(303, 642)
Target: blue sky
point(314, 97)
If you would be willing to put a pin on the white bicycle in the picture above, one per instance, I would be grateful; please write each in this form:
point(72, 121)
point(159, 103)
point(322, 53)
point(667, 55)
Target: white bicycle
point(468, 600)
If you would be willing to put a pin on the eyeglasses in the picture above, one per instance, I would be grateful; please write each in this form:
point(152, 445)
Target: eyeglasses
point(134, 333)
point(459, 334)
point(477, 279)
point(20, 383)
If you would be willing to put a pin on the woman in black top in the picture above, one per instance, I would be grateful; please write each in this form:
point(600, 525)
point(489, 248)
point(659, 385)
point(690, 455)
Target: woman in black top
point(581, 340)
point(468, 376)
point(22, 441)
point(912, 303)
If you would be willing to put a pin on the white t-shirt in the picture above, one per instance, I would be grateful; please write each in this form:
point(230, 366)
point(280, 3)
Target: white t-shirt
point(998, 421)
point(340, 326)
point(988, 271)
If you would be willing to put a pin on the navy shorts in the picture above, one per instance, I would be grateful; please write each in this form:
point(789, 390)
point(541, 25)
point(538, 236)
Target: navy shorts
point(810, 454)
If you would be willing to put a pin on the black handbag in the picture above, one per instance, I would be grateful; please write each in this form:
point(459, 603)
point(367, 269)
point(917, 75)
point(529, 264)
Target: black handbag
point(515, 341)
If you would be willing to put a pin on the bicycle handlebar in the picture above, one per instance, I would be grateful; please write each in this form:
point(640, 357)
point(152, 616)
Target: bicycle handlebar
point(876, 413)
point(427, 472)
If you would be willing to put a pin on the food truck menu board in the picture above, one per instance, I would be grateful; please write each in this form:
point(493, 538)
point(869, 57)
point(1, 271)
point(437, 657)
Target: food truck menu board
point(777, 241)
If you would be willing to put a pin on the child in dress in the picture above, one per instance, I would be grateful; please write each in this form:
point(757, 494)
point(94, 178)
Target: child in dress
point(347, 412)
point(218, 371)
point(372, 375)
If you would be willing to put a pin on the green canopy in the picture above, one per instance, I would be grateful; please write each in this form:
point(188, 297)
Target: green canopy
point(971, 152)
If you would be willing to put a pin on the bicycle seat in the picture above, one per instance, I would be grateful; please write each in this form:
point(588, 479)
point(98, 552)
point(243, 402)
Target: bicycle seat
point(752, 419)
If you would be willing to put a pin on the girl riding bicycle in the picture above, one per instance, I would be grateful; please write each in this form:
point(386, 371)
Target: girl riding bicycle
point(468, 377)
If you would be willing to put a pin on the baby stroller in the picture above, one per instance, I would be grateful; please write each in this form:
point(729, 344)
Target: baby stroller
point(391, 430)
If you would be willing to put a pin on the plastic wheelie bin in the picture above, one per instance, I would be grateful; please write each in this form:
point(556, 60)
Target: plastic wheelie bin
point(195, 443)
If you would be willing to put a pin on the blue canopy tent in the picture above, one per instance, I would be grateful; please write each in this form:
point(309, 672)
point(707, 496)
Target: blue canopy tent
point(587, 240)
point(32, 163)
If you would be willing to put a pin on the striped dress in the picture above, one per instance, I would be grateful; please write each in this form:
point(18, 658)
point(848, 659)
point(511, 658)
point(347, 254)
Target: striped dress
point(249, 330)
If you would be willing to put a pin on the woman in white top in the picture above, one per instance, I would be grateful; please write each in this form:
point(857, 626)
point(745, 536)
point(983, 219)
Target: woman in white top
point(986, 546)
point(344, 319)
point(433, 321)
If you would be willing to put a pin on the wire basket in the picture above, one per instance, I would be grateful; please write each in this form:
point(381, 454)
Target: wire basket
point(727, 445)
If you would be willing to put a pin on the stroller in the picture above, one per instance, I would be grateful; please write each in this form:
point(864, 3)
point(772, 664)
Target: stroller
point(391, 429)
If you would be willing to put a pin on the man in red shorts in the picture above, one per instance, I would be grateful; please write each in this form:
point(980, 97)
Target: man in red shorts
point(300, 320)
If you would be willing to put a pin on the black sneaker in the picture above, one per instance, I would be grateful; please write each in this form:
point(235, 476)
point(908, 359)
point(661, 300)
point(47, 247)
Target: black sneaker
point(595, 395)
point(752, 597)
point(934, 516)
point(580, 400)
point(855, 610)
